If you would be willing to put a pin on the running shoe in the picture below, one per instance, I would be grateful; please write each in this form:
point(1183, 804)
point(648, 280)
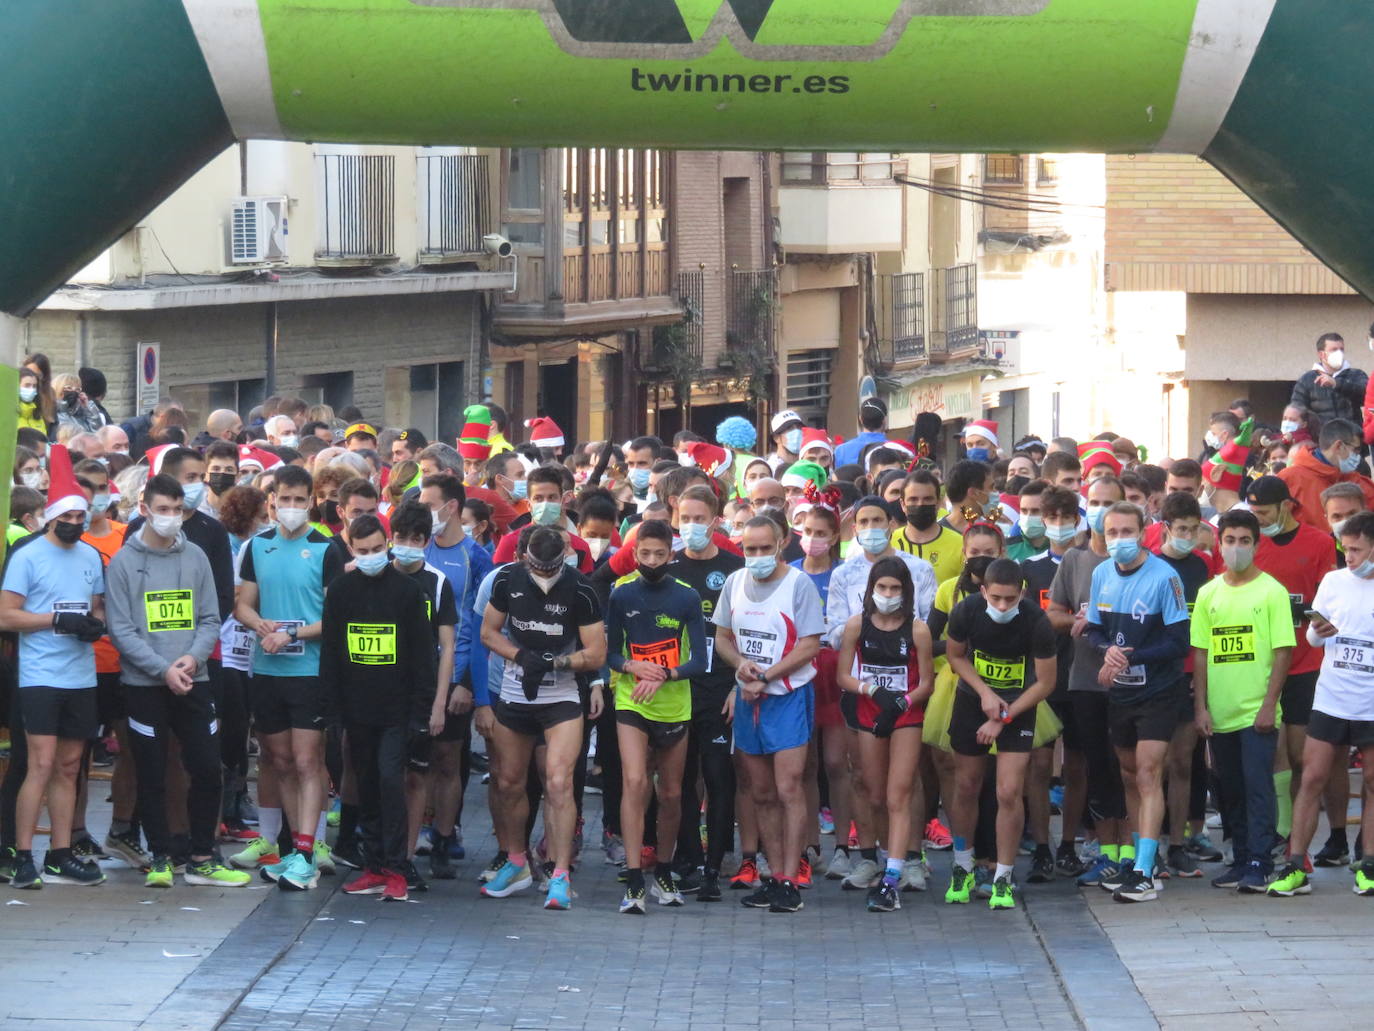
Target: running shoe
point(440, 861)
point(86, 849)
point(1066, 861)
point(1136, 888)
point(1202, 849)
point(1181, 864)
point(803, 873)
point(369, 882)
point(883, 898)
point(335, 814)
point(1042, 867)
point(560, 892)
point(982, 881)
point(1090, 851)
point(786, 898)
point(424, 841)
point(160, 875)
point(1231, 877)
point(493, 868)
point(960, 888)
point(665, 891)
point(1003, 893)
point(456, 850)
point(710, 887)
point(127, 847)
point(688, 881)
point(1028, 846)
point(826, 821)
point(9, 860)
point(1364, 880)
point(1291, 880)
point(1336, 852)
point(615, 849)
point(1213, 821)
point(1101, 867)
point(211, 873)
point(937, 836)
point(747, 877)
point(70, 870)
point(541, 872)
point(236, 831)
point(1123, 874)
point(507, 881)
point(913, 877)
point(576, 843)
point(633, 902)
point(25, 875)
point(260, 854)
point(324, 858)
point(349, 854)
point(248, 810)
point(761, 897)
point(861, 875)
point(838, 868)
point(1254, 880)
point(414, 882)
point(299, 874)
point(395, 889)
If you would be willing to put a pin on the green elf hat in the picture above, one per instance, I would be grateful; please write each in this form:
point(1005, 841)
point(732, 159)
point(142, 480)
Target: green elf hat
point(475, 440)
point(799, 474)
point(1226, 469)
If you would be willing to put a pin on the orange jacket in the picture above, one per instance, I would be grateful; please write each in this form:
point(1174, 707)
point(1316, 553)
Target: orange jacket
point(1308, 476)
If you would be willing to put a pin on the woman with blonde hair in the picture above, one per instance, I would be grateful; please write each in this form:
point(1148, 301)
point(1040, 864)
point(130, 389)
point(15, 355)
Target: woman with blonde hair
point(74, 409)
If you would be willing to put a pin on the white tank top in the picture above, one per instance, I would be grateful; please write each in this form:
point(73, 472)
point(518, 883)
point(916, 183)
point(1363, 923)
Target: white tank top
point(764, 631)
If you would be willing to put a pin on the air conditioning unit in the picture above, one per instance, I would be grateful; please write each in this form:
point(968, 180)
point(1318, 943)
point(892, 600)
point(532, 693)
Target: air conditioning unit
point(257, 232)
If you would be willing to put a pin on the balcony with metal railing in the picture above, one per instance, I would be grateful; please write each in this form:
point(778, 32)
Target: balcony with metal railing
point(453, 205)
point(953, 312)
point(356, 202)
point(751, 326)
point(901, 311)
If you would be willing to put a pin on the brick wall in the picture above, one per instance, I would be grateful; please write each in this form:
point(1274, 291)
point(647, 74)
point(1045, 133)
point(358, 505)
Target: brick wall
point(1175, 223)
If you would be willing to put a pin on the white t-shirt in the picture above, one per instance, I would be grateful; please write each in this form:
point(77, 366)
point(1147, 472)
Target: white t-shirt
point(768, 619)
point(1345, 685)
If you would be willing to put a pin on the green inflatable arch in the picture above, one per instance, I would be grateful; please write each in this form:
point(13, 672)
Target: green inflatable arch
point(109, 106)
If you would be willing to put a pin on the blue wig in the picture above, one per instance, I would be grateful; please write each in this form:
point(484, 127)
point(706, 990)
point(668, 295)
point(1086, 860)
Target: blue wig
point(737, 432)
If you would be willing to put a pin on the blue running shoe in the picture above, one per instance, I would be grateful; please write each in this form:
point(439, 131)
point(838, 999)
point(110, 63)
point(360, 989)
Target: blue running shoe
point(301, 874)
point(1101, 869)
point(455, 845)
point(560, 893)
point(274, 871)
point(508, 880)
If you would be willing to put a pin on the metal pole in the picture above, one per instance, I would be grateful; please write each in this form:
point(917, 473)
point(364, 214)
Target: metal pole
point(269, 379)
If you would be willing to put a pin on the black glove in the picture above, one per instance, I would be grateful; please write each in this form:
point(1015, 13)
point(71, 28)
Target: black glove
point(885, 724)
point(533, 666)
point(82, 627)
point(891, 703)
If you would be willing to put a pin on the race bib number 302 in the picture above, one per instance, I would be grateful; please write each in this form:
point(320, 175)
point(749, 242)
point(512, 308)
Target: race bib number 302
point(372, 644)
point(169, 610)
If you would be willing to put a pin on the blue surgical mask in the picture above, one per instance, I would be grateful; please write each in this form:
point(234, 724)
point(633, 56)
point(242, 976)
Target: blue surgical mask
point(1365, 570)
point(371, 564)
point(874, 540)
point(639, 480)
point(1059, 533)
point(407, 555)
point(994, 503)
point(571, 559)
point(1096, 517)
point(520, 490)
point(545, 513)
point(696, 536)
point(1272, 529)
point(1032, 526)
point(100, 503)
point(998, 616)
point(761, 566)
point(978, 454)
point(1123, 550)
point(194, 493)
point(1182, 545)
point(1350, 463)
point(27, 394)
point(792, 440)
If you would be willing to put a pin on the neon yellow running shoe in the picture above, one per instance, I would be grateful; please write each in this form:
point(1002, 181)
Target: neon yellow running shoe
point(960, 888)
point(214, 874)
point(260, 852)
point(1292, 880)
point(159, 874)
point(1003, 893)
point(1364, 880)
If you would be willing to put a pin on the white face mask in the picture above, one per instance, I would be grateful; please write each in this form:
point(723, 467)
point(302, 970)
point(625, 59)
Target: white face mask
point(887, 603)
point(292, 519)
point(32, 479)
point(165, 526)
point(545, 582)
point(437, 525)
point(1335, 359)
point(290, 440)
point(597, 545)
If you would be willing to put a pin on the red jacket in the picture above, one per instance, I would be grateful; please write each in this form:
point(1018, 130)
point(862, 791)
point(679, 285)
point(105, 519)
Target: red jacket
point(1307, 476)
point(1300, 565)
point(1367, 412)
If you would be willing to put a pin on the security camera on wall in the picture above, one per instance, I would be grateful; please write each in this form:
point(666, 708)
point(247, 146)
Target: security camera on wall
point(495, 243)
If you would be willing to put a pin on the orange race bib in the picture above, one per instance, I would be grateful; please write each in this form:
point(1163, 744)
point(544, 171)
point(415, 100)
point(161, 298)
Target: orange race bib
point(667, 654)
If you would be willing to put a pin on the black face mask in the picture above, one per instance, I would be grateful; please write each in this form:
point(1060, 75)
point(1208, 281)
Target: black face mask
point(68, 533)
point(652, 574)
point(329, 512)
point(922, 517)
point(70, 398)
point(220, 482)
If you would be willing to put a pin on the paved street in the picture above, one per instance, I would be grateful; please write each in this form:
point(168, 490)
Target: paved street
point(121, 957)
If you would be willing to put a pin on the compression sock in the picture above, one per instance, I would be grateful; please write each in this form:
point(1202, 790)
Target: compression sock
point(1284, 823)
point(305, 844)
point(269, 823)
point(1145, 856)
point(893, 873)
point(1112, 852)
point(1127, 855)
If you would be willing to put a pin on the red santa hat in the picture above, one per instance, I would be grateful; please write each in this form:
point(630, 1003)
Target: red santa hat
point(544, 432)
point(64, 494)
point(1098, 452)
point(713, 460)
point(249, 455)
point(155, 455)
point(983, 428)
point(904, 448)
point(813, 438)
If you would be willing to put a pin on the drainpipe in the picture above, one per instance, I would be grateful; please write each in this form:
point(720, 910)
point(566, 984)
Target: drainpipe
point(269, 379)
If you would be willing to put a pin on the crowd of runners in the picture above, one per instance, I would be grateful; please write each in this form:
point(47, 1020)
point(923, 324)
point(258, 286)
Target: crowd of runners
point(780, 660)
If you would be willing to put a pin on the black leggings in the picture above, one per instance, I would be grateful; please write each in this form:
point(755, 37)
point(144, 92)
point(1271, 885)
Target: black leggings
point(378, 757)
point(1106, 794)
point(233, 718)
point(153, 712)
point(717, 767)
point(14, 776)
